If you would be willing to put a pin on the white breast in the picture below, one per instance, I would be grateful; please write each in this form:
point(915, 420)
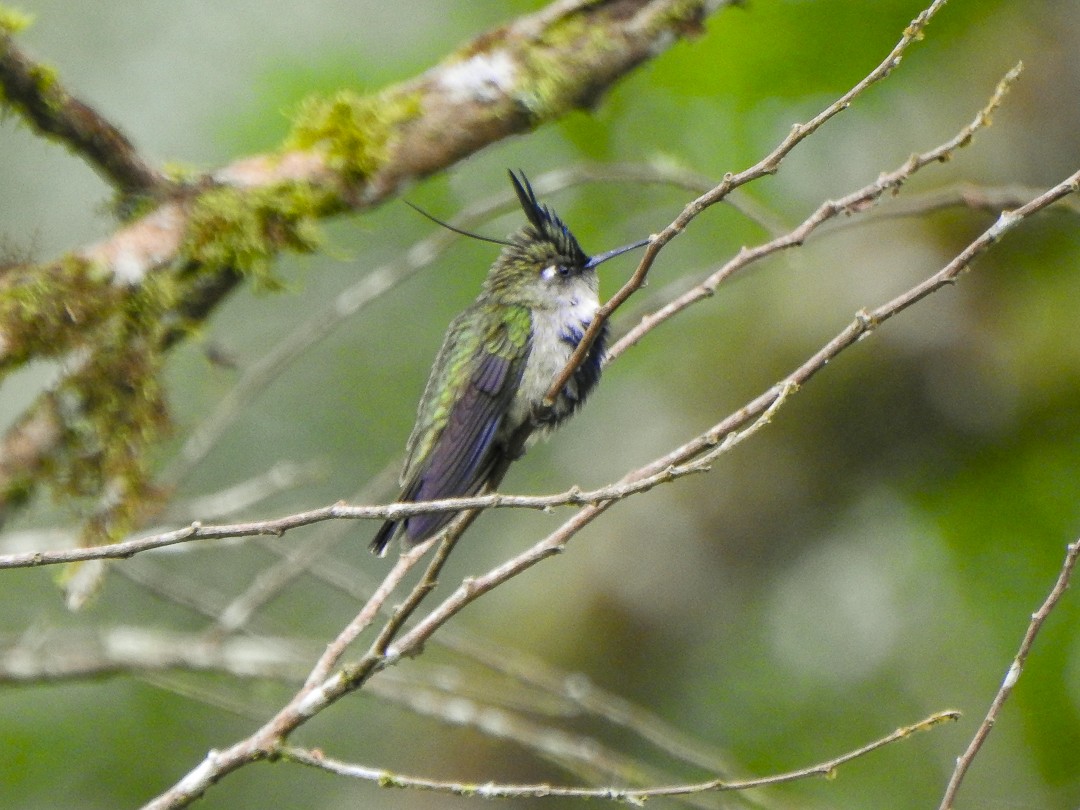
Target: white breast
point(554, 334)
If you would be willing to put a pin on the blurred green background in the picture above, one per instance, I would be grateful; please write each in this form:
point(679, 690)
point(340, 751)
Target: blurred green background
point(871, 557)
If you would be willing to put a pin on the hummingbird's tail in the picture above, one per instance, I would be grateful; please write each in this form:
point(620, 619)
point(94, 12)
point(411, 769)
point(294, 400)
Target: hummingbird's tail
point(383, 537)
point(417, 529)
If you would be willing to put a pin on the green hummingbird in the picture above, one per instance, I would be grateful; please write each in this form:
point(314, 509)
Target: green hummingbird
point(497, 362)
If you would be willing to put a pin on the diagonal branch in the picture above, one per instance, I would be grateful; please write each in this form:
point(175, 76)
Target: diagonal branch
point(963, 762)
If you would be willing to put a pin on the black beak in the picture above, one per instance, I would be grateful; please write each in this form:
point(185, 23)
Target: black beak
point(600, 258)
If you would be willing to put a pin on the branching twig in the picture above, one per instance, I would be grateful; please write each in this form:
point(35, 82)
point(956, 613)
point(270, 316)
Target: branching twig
point(963, 762)
point(561, 692)
point(320, 691)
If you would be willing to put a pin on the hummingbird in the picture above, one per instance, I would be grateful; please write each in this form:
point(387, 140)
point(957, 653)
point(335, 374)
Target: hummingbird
point(498, 360)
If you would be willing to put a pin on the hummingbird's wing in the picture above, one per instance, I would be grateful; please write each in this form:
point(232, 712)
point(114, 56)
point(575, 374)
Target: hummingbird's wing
point(452, 449)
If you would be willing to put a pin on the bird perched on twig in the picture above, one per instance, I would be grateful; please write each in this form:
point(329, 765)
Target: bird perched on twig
point(499, 358)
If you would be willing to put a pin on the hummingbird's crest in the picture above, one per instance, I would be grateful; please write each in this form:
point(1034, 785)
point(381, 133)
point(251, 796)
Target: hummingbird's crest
point(546, 222)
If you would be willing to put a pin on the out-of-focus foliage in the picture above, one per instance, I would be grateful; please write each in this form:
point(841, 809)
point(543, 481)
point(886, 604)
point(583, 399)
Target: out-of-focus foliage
point(871, 557)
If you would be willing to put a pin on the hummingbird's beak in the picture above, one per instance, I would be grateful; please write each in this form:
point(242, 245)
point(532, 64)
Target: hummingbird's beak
point(600, 258)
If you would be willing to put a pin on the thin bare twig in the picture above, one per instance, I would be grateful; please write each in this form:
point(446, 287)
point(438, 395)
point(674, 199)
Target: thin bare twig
point(561, 692)
point(991, 199)
point(635, 796)
point(321, 671)
point(963, 762)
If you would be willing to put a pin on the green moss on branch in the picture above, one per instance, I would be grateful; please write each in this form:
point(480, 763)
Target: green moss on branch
point(245, 229)
point(354, 132)
point(12, 21)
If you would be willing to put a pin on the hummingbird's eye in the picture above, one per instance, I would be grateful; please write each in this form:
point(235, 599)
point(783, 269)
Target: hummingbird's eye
point(549, 272)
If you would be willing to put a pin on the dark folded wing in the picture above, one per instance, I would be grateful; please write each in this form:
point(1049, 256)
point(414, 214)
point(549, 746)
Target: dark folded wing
point(463, 454)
